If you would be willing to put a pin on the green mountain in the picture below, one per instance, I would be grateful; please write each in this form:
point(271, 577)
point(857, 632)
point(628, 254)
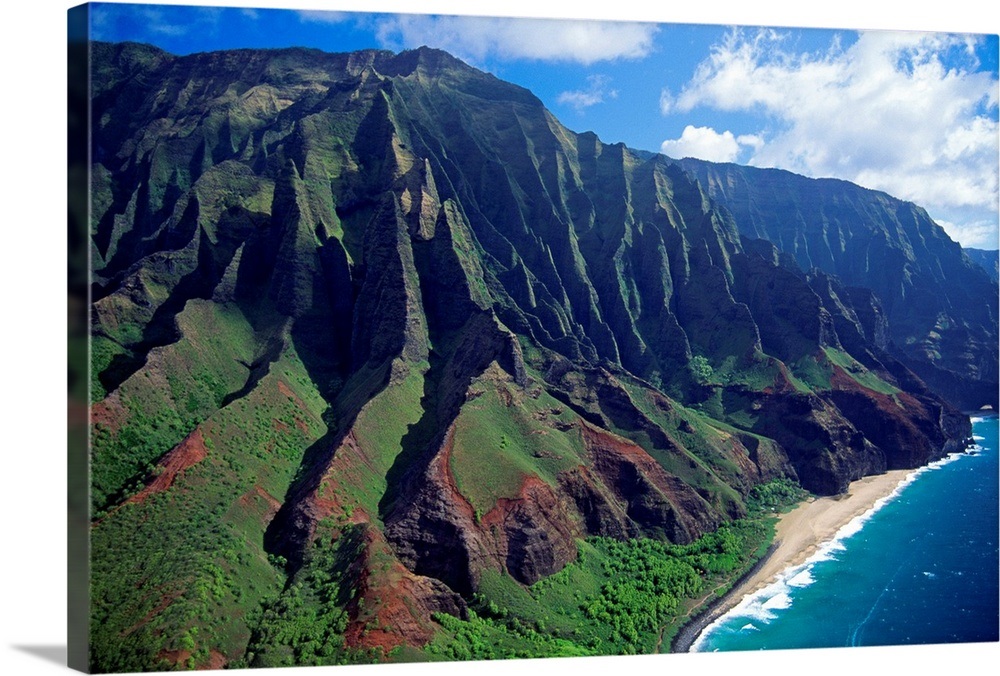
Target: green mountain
point(939, 305)
point(389, 364)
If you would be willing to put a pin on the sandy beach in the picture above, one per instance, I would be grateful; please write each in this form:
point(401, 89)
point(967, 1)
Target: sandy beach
point(801, 531)
point(799, 534)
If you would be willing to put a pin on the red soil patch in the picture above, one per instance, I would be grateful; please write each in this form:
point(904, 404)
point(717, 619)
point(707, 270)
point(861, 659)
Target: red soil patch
point(740, 455)
point(273, 505)
point(287, 391)
point(325, 497)
point(610, 455)
point(782, 381)
point(532, 489)
point(594, 438)
point(441, 465)
point(325, 500)
point(189, 452)
point(109, 413)
point(216, 660)
point(175, 657)
point(160, 607)
point(841, 380)
point(394, 613)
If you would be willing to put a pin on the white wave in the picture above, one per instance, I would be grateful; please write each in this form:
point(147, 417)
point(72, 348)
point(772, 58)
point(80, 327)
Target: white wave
point(976, 437)
point(763, 605)
point(780, 601)
point(749, 626)
point(803, 579)
point(750, 607)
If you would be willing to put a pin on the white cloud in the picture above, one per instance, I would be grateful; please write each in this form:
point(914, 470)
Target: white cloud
point(592, 95)
point(975, 234)
point(906, 113)
point(478, 38)
point(707, 144)
point(322, 16)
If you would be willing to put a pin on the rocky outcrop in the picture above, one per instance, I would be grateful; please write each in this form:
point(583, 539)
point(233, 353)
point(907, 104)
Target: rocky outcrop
point(656, 502)
point(825, 449)
point(438, 533)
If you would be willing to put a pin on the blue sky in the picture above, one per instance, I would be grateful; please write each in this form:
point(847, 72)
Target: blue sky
point(912, 113)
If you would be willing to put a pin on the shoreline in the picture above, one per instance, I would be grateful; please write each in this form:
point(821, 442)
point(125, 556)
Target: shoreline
point(799, 534)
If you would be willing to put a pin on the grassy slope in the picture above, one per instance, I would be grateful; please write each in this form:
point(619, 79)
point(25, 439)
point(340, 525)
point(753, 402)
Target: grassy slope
point(305, 622)
point(184, 569)
point(180, 386)
point(503, 436)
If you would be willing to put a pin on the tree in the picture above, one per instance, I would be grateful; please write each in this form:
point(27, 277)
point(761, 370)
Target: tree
point(701, 369)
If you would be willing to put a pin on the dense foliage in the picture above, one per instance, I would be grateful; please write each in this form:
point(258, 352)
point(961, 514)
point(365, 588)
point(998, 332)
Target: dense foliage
point(644, 590)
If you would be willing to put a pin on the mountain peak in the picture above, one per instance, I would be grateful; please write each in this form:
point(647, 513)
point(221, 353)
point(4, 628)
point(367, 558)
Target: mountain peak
point(427, 60)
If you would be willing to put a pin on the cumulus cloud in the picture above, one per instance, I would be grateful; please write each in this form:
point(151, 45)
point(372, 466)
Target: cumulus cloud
point(707, 144)
point(478, 38)
point(908, 113)
point(595, 93)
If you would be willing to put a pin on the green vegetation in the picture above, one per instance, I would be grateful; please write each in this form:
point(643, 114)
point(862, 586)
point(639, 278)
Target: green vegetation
point(701, 369)
point(199, 371)
point(500, 442)
point(379, 430)
point(182, 572)
point(102, 352)
point(817, 370)
point(813, 372)
point(618, 597)
point(775, 496)
point(305, 624)
point(858, 372)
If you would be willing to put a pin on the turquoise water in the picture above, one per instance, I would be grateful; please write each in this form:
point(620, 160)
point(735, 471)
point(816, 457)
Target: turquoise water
point(921, 568)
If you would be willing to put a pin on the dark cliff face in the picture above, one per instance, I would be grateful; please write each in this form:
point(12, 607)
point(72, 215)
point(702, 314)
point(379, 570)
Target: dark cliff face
point(987, 259)
point(398, 298)
point(940, 305)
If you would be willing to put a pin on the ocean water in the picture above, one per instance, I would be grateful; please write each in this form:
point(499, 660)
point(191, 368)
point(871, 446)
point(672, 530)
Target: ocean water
point(921, 567)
